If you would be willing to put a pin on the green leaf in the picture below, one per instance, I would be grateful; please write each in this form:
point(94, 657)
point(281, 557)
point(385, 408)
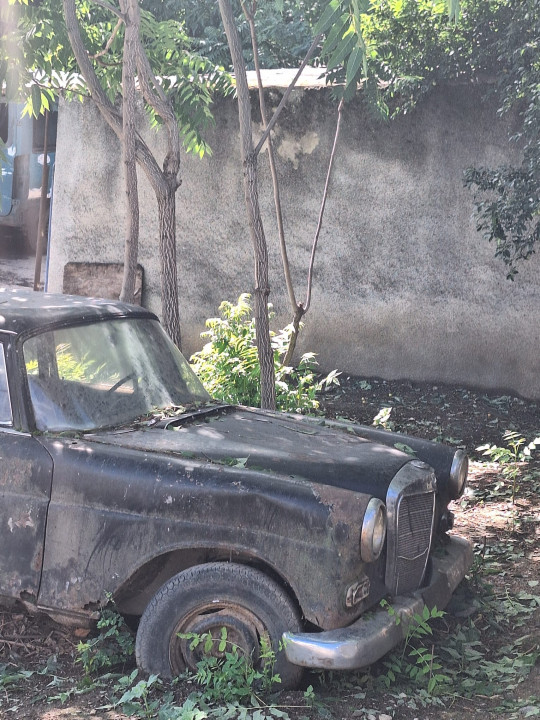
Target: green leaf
point(326, 20)
point(223, 641)
point(354, 64)
point(405, 448)
point(453, 9)
point(208, 643)
point(342, 51)
point(337, 31)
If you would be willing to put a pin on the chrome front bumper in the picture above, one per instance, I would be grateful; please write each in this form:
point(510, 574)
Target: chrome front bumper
point(376, 633)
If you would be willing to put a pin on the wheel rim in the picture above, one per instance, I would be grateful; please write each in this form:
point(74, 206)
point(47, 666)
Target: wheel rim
point(244, 631)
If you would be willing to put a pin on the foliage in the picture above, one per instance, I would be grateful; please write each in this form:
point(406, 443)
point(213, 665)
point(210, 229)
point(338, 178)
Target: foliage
point(228, 364)
point(416, 662)
point(43, 67)
point(114, 645)
point(229, 685)
point(12, 676)
point(511, 457)
point(136, 697)
point(507, 198)
point(413, 48)
point(382, 419)
point(475, 668)
point(283, 31)
point(226, 674)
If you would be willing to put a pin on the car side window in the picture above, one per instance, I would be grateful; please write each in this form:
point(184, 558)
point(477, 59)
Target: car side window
point(5, 403)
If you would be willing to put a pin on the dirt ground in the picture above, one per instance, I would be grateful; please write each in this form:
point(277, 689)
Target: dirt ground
point(17, 267)
point(506, 535)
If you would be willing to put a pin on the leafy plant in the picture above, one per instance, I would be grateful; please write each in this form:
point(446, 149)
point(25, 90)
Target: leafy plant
point(511, 457)
point(114, 645)
point(282, 29)
point(479, 669)
point(135, 698)
point(12, 676)
point(414, 48)
point(382, 419)
point(226, 674)
point(228, 364)
point(416, 662)
point(507, 198)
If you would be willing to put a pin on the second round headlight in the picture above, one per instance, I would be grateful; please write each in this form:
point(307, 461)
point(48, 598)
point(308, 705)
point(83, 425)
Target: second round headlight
point(458, 474)
point(373, 530)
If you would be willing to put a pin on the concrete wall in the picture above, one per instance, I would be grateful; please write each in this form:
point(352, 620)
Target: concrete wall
point(404, 285)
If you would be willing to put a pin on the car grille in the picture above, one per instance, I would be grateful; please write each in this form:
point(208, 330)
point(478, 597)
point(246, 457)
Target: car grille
point(410, 504)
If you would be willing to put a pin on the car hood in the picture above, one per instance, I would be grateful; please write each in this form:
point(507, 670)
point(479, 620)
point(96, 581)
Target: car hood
point(274, 442)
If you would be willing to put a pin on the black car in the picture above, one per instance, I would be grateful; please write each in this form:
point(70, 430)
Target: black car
point(121, 478)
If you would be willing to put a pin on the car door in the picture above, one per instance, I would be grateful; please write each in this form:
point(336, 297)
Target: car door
point(25, 488)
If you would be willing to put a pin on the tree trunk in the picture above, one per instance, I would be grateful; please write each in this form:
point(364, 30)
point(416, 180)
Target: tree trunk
point(167, 254)
point(131, 243)
point(40, 240)
point(162, 181)
point(260, 250)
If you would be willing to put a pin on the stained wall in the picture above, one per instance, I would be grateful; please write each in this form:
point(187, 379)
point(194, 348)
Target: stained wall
point(404, 285)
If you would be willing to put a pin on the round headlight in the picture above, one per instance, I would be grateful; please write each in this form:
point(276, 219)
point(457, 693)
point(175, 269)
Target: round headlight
point(458, 474)
point(373, 530)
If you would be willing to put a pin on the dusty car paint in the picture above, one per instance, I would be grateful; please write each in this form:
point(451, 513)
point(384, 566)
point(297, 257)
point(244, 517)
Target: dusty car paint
point(288, 525)
point(25, 485)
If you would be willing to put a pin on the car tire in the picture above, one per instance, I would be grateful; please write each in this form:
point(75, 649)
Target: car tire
point(206, 598)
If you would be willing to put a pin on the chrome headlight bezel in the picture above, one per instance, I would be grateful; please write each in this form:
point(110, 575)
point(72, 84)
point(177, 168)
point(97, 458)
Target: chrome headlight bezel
point(458, 474)
point(373, 533)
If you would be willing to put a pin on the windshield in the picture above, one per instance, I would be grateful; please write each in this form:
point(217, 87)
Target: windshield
point(105, 374)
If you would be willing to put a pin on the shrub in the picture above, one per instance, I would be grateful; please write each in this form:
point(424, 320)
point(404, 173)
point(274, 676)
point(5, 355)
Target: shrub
point(114, 645)
point(228, 364)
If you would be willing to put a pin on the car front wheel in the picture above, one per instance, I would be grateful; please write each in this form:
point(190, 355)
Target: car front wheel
point(206, 598)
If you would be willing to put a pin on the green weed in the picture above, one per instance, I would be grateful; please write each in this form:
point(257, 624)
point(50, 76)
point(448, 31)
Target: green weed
point(382, 419)
point(416, 662)
point(225, 674)
point(511, 458)
point(114, 645)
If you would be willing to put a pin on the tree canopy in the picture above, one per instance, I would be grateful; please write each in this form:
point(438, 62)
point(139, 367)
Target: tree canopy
point(508, 197)
point(93, 47)
point(37, 61)
point(283, 28)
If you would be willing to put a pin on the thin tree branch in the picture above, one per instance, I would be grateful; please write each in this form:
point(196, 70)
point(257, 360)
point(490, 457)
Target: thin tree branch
point(301, 309)
point(286, 95)
point(109, 112)
point(81, 55)
point(155, 96)
point(109, 41)
point(275, 182)
point(323, 204)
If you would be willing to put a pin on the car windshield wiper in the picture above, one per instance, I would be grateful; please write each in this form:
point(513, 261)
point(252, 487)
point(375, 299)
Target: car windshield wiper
point(162, 417)
point(189, 412)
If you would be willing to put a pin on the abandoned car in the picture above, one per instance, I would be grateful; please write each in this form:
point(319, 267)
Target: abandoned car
point(121, 478)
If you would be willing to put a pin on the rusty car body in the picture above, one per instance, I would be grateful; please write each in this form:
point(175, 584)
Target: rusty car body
point(120, 477)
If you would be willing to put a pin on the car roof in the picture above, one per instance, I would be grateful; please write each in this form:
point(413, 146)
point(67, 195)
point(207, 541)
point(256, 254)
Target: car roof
point(23, 310)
